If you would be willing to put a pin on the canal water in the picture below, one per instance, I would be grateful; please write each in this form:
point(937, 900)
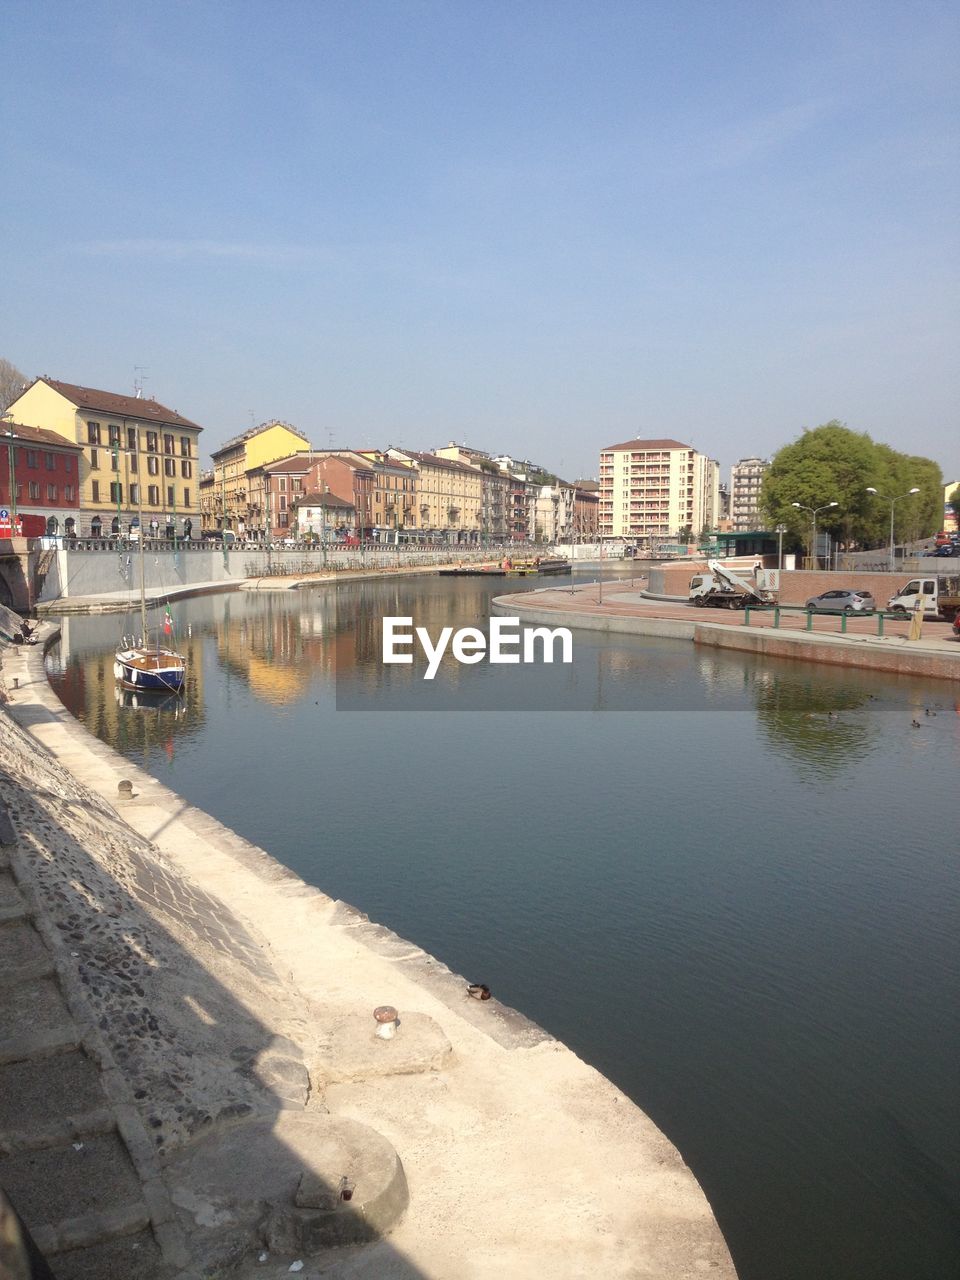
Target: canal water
point(731, 884)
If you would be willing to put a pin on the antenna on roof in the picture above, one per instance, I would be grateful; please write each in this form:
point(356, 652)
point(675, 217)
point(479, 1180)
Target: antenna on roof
point(139, 378)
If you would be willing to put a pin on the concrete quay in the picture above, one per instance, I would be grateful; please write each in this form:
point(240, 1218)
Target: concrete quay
point(633, 611)
point(193, 1086)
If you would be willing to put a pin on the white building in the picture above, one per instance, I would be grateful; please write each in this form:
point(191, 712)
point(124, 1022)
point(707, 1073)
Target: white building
point(746, 476)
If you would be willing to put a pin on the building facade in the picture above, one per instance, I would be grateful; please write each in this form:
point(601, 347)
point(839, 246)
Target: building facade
point(324, 517)
point(237, 499)
point(139, 458)
point(746, 477)
point(656, 490)
point(39, 477)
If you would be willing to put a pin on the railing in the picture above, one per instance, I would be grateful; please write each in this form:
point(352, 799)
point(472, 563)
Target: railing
point(778, 609)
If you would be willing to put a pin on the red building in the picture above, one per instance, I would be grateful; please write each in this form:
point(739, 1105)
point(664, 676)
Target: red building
point(45, 494)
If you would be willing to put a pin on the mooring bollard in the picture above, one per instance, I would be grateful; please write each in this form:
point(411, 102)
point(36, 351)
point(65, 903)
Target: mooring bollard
point(387, 1020)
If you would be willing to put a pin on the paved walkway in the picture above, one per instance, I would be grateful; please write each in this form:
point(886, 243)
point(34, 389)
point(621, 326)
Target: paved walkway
point(608, 606)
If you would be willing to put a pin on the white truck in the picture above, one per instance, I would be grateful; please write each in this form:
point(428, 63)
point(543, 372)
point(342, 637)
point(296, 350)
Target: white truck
point(722, 588)
point(941, 593)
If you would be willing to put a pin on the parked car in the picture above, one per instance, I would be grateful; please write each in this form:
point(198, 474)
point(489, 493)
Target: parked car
point(956, 626)
point(842, 602)
point(948, 549)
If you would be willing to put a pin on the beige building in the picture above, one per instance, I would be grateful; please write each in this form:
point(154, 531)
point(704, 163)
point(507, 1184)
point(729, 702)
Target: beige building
point(746, 477)
point(449, 497)
point(495, 500)
point(137, 454)
point(237, 500)
point(656, 490)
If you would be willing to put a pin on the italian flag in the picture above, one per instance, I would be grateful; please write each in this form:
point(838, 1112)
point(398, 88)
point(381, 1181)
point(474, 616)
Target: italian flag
point(167, 622)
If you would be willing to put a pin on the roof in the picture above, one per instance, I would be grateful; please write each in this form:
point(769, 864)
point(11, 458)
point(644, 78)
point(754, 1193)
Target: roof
point(446, 464)
point(639, 446)
point(323, 500)
point(38, 435)
point(302, 461)
point(255, 431)
point(118, 406)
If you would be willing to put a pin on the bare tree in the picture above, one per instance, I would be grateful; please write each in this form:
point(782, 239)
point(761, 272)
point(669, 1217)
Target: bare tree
point(12, 382)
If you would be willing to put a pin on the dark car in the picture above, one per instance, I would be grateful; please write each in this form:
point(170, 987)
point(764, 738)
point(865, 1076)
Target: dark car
point(949, 549)
point(842, 602)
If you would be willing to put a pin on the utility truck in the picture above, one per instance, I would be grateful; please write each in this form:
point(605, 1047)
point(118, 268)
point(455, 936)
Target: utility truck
point(722, 588)
point(941, 592)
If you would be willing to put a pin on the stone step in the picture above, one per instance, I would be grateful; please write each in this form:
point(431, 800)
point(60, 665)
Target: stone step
point(128, 1257)
point(50, 1100)
point(23, 956)
point(75, 1194)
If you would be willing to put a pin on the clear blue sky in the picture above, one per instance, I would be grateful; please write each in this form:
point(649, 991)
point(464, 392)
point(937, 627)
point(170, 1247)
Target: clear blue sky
point(538, 227)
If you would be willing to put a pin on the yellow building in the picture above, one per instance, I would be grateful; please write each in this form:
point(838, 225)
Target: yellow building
point(234, 505)
point(136, 454)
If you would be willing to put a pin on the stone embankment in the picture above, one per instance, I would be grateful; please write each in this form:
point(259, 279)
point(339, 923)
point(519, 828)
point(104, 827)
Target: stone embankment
point(191, 1083)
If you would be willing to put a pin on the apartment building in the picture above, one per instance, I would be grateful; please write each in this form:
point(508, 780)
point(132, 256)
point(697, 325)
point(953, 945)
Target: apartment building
point(237, 497)
point(746, 477)
point(39, 476)
point(655, 490)
point(136, 454)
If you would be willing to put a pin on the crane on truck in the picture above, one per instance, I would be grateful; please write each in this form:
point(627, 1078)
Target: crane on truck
point(722, 588)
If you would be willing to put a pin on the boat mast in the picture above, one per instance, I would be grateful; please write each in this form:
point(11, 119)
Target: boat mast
point(143, 595)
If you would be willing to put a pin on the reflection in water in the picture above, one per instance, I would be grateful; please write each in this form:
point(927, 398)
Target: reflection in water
point(719, 902)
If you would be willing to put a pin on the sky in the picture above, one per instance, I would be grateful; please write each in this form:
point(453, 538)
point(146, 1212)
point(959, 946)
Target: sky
point(535, 227)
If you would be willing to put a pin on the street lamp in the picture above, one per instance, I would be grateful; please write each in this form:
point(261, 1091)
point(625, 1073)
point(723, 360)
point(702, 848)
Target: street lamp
point(893, 502)
point(815, 511)
point(780, 530)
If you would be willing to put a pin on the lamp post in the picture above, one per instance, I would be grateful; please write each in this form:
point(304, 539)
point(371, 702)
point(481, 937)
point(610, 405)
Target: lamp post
point(11, 469)
point(781, 529)
point(893, 502)
point(815, 511)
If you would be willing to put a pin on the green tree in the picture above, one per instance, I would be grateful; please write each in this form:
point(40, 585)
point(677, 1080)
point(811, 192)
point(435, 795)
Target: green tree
point(831, 463)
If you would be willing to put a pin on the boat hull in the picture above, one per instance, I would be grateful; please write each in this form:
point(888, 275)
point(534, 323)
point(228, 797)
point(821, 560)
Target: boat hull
point(150, 670)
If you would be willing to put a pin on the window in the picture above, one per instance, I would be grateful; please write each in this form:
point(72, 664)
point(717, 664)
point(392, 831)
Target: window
point(49, 461)
point(132, 462)
point(186, 497)
point(114, 459)
point(171, 499)
point(69, 493)
point(186, 470)
point(32, 458)
point(113, 432)
point(283, 484)
point(168, 444)
point(283, 503)
point(185, 446)
point(297, 486)
point(93, 433)
point(51, 493)
point(116, 491)
point(153, 496)
point(94, 459)
point(169, 466)
point(132, 439)
point(134, 494)
point(34, 488)
point(151, 442)
point(153, 466)
point(68, 465)
point(95, 491)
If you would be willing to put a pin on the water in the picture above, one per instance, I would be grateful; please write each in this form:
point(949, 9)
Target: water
point(739, 907)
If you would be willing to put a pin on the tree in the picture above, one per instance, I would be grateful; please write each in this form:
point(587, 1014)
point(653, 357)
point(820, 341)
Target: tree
point(831, 463)
point(12, 382)
point(954, 499)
